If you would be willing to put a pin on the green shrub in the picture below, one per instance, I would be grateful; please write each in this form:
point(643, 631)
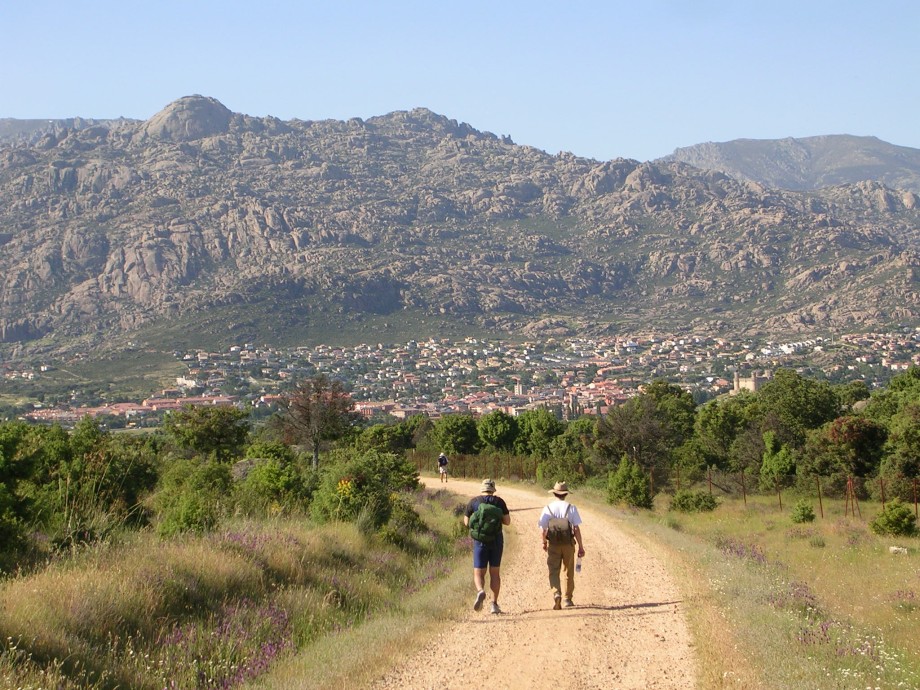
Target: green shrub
point(193, 496)
point(685, 501)
point(404, 522)
point(274, 486)
point(629, 485)
point(896, 520)
point(11, 528)
point(802, 512)
point(556, 468)
point(94, 488)
point(362, 484)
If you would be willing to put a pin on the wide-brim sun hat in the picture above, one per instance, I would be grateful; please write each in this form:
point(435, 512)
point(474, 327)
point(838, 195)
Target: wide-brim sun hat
point(488, 486)
point(560, 488)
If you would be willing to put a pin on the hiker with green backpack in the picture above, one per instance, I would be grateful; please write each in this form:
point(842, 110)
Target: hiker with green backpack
point(485, 514)
point(560, 522)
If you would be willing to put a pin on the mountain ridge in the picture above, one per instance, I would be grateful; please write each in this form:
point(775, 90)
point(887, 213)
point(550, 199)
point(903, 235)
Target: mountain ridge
point(808, 163)
point(200, 211)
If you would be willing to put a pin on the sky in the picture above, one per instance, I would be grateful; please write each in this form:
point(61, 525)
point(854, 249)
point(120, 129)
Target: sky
point(598, 78)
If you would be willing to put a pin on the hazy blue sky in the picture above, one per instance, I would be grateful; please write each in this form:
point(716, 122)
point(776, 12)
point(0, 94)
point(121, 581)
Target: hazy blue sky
point(601, 79)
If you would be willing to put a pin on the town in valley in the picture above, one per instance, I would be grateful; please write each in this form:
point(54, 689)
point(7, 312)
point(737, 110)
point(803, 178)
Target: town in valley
point(435, 377)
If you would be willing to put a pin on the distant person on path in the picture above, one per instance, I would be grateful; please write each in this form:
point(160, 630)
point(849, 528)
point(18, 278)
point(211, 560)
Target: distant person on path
point(559, 523)
point(485, 514)
point(442, 467)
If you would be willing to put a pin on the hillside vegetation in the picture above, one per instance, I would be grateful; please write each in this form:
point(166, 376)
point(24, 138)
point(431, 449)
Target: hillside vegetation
point(144, 558)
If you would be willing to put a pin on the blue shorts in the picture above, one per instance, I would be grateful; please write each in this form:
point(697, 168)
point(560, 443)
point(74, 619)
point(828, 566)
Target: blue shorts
point(486, 555)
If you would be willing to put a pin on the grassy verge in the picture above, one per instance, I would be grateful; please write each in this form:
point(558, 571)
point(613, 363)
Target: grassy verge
point(773, 604)
point(223, 609)
point(354, 657)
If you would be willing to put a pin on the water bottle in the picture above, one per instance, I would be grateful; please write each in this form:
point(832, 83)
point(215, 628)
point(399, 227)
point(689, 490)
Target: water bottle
point(578, 565)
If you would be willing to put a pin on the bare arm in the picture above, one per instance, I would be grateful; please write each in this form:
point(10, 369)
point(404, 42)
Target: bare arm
point(506, 519)
point(581, 546)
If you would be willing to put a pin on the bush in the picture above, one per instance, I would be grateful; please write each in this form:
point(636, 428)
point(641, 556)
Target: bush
point(193, 496)
point(273, 486)
point(802, 512)
point(896, 520)
point(629, 485)
point(404, 522)
point(685, 501)
point(556, 468)
point(11, 528)
point(363, 484)
point(91, 486)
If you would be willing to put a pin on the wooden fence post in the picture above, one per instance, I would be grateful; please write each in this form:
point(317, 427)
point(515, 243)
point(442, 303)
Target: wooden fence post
point(779, 494)
point(915, 497)
point(855, 500)
point(820, 502)
point(709, 475)
point(743, 489)
point(881, 483)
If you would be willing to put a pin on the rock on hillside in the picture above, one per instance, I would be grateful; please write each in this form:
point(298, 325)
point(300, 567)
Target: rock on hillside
point(199, 212)
point(188, 119)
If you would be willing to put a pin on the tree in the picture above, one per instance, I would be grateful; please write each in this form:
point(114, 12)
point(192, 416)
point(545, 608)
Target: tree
point(902, 389)
point(320, 409)
point(386, 438)
point(497, 430)
point(456, 434)
point(650, 427)
point(536, 431)
point(632, 430)
point(901, 464)
point(850, 446)
point(629, 485)
point(852, 392)
point(209, 429)
point(799, 403)
point(570, 454)
point(718, 424)
point(676, 409)
point(778, 463)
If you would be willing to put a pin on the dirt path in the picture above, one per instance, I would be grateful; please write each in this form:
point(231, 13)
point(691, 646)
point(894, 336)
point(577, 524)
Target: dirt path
point(627, 629)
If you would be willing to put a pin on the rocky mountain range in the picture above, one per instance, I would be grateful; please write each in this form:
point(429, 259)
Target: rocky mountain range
point(206, 221)
point(808, 163)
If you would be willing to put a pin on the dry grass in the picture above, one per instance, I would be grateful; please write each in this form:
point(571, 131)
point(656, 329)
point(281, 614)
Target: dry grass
point(227, 606)
point(779, 605)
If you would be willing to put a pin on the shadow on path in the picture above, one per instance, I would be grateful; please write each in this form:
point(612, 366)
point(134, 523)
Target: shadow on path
point(586, 608)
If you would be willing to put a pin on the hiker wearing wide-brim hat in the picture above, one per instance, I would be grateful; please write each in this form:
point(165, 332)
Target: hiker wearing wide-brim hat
point(484, 515)
point(560, 489)
point(560, 525)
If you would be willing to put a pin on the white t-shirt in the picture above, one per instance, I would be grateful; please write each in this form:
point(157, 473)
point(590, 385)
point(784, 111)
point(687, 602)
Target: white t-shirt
point(556, 508)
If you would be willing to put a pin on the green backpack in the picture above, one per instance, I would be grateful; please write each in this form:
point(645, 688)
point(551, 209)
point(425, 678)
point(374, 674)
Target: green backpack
point(486, 522)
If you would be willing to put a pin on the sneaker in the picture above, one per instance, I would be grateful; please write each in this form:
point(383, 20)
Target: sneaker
point(495, 608)
point(569, 603)
point(480, 597)
point(558, 603)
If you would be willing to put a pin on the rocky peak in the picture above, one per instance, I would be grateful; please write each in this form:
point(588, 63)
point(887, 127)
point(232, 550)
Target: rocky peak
point(188, 119)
